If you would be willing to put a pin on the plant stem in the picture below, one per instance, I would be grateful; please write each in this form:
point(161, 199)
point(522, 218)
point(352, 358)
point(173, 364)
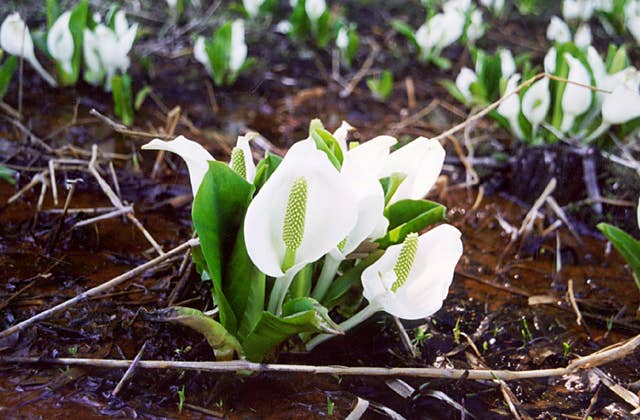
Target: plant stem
point(279, 291)
point(345, 326)
point(329, 270)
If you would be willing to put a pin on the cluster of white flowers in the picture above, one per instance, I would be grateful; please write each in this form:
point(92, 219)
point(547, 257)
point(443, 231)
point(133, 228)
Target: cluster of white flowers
point(309, 208)
point(458, 18)
point(106, 50)
point(235, 48)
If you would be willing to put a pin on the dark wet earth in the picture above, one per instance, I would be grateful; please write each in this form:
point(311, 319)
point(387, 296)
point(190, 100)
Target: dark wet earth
point(493, 299)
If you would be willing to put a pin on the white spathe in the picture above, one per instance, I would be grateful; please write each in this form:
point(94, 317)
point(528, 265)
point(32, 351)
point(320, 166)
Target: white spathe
point(427, 284)
point(510, 107)
point(15, 39)
point(475, 28)
point(507, 63)
point(421, 161)
point(314, 9)
point(329, 216)
point(550, 59)
point(577, 9)
point(252, 6)
point(342, 39)
point(582, 37)
point(60, 42)
point(623, 104)
point(535, 103)
point(194, 155)
point(243, 144)
point(558, 30)
point(238, 50)
point(465, 79)
point(576, 99)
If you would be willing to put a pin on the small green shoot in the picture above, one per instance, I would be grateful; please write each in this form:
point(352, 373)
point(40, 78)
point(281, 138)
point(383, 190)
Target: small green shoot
point(181, 398)
point(485, 346)
point(421, 336)
point(330, 407)
point(381, 86)
point(527, 337)
point(7, 174)
point(566, 349)
point(456, 331)
point(73, 350)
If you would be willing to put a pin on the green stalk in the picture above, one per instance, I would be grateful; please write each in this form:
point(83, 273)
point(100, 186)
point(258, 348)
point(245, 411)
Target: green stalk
point(279, 291)
point(345, 326)
point(329, 270)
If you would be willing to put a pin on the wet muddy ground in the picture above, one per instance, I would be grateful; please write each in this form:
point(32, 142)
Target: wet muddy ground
point(510, 298)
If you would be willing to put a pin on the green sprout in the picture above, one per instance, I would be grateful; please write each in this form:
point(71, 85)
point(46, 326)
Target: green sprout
point(181, 398)
point(330, 406)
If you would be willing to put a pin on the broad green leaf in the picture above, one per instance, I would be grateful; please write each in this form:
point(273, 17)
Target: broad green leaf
point(272, 330)
point(265, 169)
point(626, 245)
point(406, 216)
point(345, 282)
point(244, 287)
point(619, 61)
point(6, 73)
point(225, 346)
point(323, 30)
point(218, 211)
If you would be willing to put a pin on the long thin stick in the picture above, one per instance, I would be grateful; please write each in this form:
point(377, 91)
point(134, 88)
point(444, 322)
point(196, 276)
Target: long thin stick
point(99, 289)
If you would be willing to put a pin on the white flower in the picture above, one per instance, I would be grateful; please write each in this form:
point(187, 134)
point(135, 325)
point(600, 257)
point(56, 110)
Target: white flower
point(623, 104)
point(496, 6)
point(577, 9)
point(194, 155)
point(582, 38)
point(475, 29)
point(200, 53)
point(411, 280)
point(421, 161)
point(510, 107)
point(111, 47)
point(535, 103)
point(252, 6)
point(60, 41)
point(603, 5)
point(507, 63)
point(15, 39)
point(632, 18)
point(300, 214)
point(576, 100)
point(238, 47)
point(442, 30)
point(374, 155)
point(242, 159)
point(550, 60)
point(342, 39)
point(558, 30)
point(314, 9)
point(465, 78)
point(283, 27)
point(172, 3)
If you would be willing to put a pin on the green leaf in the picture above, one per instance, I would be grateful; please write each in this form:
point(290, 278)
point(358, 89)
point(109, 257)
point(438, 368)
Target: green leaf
point(244, 287)
point(7, 174)
point(224, 345)
point(441, 62)
point(301, 284)
point(323, 30)
point(53, 11)
point(272, 330)
point(141, 96)
point(6, 73)
point(626, 245)
point(265, 169)
point(381, 87)
point(345, 282)
point(325, 142)
point(218, 212)
point(219, 52)
point(407, 216)
point(122, 101)
point(453, 90)
point(390, 185)
point(619, 61)
point(405, 30)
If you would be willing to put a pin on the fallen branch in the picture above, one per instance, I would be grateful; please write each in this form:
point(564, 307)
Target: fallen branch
point(601, 357)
